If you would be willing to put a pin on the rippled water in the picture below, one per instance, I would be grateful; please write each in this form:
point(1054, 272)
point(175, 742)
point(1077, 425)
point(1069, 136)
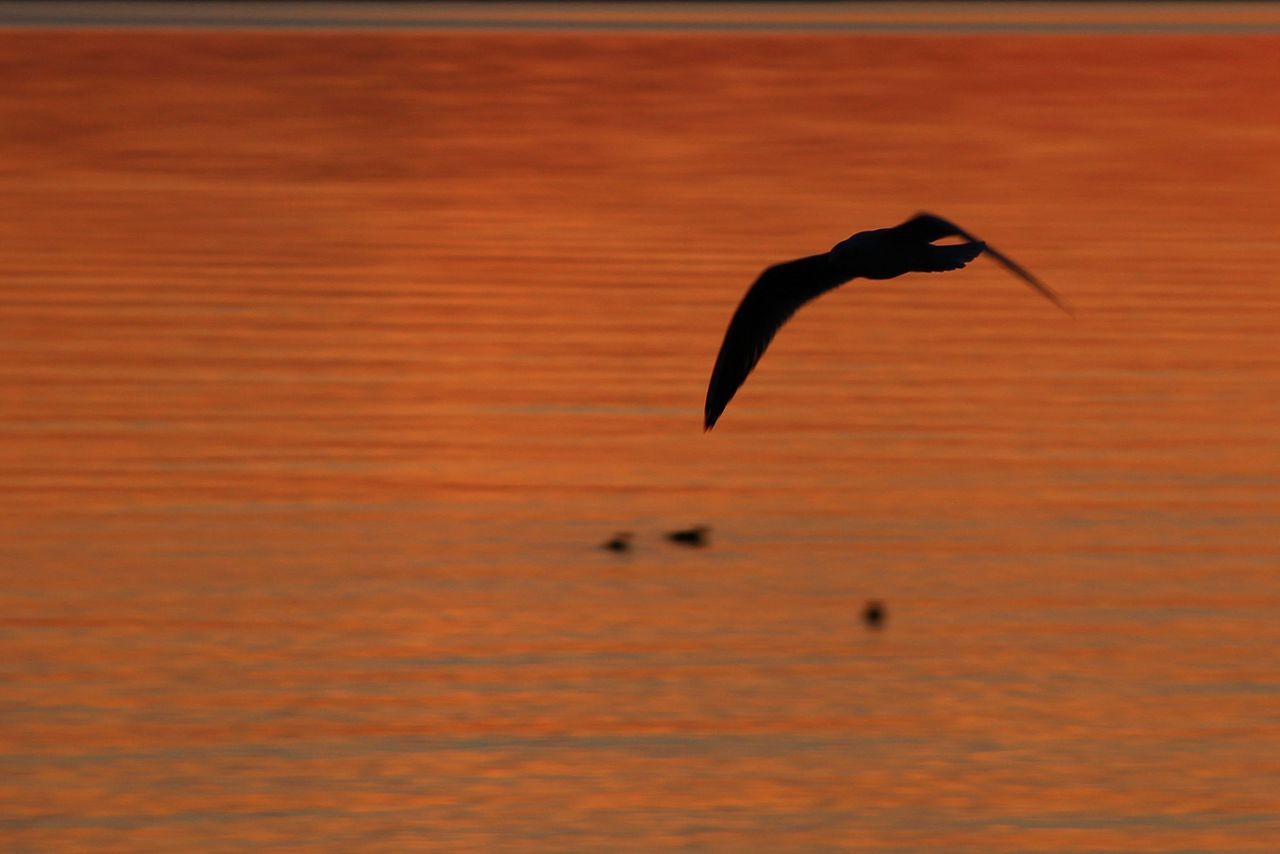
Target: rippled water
point(328, 361)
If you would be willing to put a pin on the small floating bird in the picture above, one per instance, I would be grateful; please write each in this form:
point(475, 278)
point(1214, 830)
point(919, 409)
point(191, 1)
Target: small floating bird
point(874, 614)
point(621, 542)
point(695, 536)
point(880, 254)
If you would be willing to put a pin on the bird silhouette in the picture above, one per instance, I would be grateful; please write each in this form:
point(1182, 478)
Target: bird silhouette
point(874, 614)
point(621, 542)
point(883, 253)
point(695, 536)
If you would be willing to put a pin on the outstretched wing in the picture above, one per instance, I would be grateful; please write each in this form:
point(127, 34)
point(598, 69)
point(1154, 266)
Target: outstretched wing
point(774, 297)
point(927, 227)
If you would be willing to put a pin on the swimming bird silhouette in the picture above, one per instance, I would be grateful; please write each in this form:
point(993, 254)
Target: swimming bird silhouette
point(883, 253)
point(695, 536)
point(621, 542)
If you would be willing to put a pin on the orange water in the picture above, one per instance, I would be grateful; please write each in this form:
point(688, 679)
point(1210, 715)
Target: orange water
point(327, 361)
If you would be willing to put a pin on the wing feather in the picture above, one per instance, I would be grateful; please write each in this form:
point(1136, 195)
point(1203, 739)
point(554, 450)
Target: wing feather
point(776, 295)
point(939, 259)
point(929, 227)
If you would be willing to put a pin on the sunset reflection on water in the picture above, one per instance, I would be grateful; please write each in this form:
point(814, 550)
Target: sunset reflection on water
point(330, 359)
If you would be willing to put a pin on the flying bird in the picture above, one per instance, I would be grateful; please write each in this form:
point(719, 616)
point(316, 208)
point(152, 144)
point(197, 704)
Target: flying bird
point(883, 253)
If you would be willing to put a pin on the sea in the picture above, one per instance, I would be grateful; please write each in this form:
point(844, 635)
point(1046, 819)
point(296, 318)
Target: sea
point(332, 352)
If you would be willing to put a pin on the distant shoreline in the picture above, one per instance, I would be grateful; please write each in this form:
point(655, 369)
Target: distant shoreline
point(1008, 16)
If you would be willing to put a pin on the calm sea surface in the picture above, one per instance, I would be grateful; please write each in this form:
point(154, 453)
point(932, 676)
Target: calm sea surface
point(327, 362)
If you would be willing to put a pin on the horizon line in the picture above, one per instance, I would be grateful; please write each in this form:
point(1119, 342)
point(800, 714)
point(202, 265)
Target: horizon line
point(865, 16)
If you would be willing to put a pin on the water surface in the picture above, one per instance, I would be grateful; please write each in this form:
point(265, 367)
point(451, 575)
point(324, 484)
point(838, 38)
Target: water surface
point(329, 360)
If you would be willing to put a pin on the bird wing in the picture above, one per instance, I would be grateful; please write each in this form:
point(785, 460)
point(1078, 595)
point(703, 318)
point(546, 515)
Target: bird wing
point(939, 259)
point(928, 227)
point(775, 296)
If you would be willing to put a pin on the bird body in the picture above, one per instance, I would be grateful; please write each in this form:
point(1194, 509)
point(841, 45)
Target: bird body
point(621, 542)
point(886, 253)
point(874, 614)
point(695, 536)
point(882, 253)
